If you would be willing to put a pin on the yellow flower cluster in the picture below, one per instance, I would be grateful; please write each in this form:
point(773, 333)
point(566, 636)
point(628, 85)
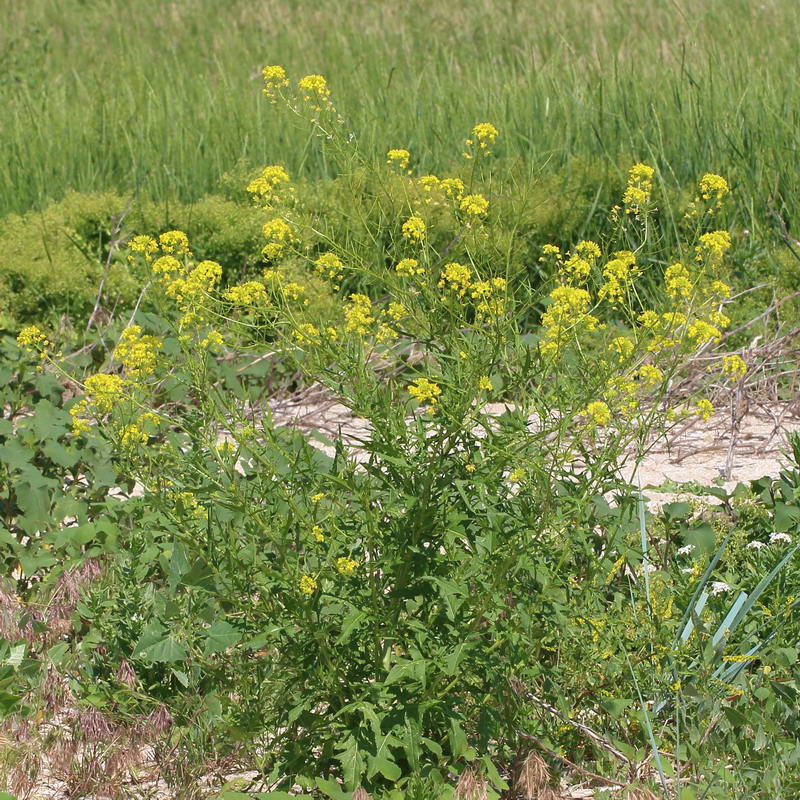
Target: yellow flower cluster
point(102, 392)
point(484, 134)
point(618, 274)
point(395, 311)
point(678, 282)
point(308, 585)
point(175, 243)
point(278, 234)
point(484, 384)
point(414, 229)
point(329, 266)
point(712, 248)
point(198, 281)
point(409, 267)
point(424, 390)
point(639, 190)
point(436, 190)
point(146, 245)
point(578, 267)
point(704, 409)
point(490, 296)
point(306, 333)
point(358, 314)
point(249, 293)
point(268, 187)
point(137, 353)
point(31, 339)
point(712, 191)
point(598, 412)
point(456, 277)
point(316, 92)
point(734, 367)
point(399, 158)
point(474, 205)
point(346, 566)
point(138, 433)
point(568, 311)
point(274, 81)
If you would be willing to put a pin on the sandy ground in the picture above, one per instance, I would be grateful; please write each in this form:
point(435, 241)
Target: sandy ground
point(721, 452)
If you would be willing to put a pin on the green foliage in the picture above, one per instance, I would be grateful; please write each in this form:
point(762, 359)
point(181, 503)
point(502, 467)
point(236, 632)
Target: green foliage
point(53, 261)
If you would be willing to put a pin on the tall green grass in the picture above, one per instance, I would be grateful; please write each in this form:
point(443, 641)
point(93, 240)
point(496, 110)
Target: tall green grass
point(164, 98)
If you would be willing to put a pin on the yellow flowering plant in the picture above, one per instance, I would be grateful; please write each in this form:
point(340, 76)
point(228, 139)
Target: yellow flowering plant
point(394, 578)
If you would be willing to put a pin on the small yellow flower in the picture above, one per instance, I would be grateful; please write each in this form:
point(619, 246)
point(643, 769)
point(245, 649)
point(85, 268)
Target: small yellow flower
point(640, 187)
point(399, 157)
point(358, 314)
point(484, 384)
point(274, 80)
point(174, 242)
point(452, 187)
point(346, 566)
point(317, 497)
point(622, 347)
point(329, 266)
point(516, 475)
point(267, 186)
point(423, 390)
point(146, 245)
point(410, 267)
point(650, 375)
point(414, 229)
point(733, 367)
point(704, 409)
point(316, 532)
point(31, 338)
point(470, 468)
point(315, 91)
point(712, 247)
point(485, 133)
point(428, 183)
point(475, 205)
point(249, 293)
point(308, 585)
point(306, 333)
point(598, 412)
point(136, 352)
point(456, 277)
point(396, 311)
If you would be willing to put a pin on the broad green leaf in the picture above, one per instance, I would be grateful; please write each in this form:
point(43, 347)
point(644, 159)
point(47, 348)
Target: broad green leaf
point(786, 517)
point(351, 623)
point(679, 510)
point(387, 768)
point(701, 536)
point(201, 576)
point(352, 761)
point(220, 636)
point(615, 706)
point(405, 670)
point(166, 651)
point(16, 655)
point(332, 789)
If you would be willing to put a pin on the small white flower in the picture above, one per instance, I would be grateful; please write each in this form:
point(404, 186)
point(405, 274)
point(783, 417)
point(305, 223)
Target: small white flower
point(685, 550)
point(780, 537)
point(687, 570)
point(756, 545)
point(719, 587)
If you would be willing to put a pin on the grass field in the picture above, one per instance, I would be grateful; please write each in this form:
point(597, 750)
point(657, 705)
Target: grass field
point(162, 99)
